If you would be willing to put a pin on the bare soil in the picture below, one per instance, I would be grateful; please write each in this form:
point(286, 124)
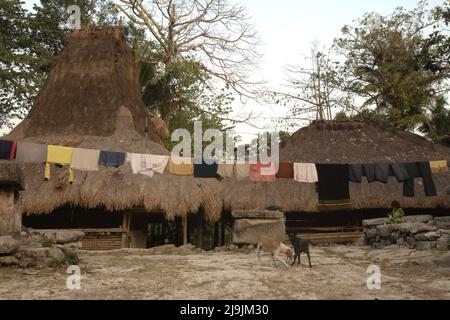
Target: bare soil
point(339, 272)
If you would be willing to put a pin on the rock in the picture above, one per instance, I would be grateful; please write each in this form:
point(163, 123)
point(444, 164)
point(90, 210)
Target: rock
point(9, 261)
point(427, 236)
point(361, 242)
point(400, 241)
point(69, 247)
point(421, 218)
point(62, 236)
point(8, 244)
point(385, 231)
point(443, 261)
point(249, 231)
point(371, 233)
point(232, 247)
point(257, 214)
point(38, 257)
point(413, 227)
point(373, 222)
point(411, 242)
point(425, 245)
point(251, 247)
point(442, 222)
point(443, 243)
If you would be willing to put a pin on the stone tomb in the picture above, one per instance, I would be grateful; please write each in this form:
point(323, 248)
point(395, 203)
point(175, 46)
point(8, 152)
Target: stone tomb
point(250, 225)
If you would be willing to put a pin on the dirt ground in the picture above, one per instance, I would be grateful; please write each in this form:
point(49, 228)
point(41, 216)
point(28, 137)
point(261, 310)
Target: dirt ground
point(339, 272)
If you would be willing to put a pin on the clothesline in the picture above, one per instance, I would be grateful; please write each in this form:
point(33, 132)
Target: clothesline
point(332, 179)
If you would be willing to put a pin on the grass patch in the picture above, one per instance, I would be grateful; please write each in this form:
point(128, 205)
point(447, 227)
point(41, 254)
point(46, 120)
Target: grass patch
point(70, 259)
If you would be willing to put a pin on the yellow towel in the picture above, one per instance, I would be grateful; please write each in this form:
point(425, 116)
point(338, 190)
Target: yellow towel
point(59, 155)
point(439, 166)
point(181, 166)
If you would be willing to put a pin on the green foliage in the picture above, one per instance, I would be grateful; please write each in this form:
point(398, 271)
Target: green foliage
point(437, 122)
point(396, 64)
point(70, 259)
point(48, 242)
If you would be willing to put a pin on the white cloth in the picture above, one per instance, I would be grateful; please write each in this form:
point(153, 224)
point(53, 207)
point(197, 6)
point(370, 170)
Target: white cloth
point(305, 172)
point(147, 164)
point(85, 159)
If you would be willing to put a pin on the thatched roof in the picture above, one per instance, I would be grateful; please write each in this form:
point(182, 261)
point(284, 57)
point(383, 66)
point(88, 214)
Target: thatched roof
point(91, 100)
point(344, 142)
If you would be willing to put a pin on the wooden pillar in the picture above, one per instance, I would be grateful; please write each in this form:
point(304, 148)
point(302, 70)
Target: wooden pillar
point(185, 229)
point(199, 229)
point(126, 224)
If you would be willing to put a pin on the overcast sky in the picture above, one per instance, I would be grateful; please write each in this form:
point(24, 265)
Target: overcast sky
point(287, 29)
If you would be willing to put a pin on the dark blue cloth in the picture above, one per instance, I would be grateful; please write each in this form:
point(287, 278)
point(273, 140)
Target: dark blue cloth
point(205, 170)
point(6, 150)
point(111, 159)
point(419, 170)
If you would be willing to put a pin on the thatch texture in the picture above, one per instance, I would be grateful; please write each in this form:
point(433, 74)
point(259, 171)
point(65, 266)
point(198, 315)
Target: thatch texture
point(358, 142)
point(91, 100)
point(343, 142)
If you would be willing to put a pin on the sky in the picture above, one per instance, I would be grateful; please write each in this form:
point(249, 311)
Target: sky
point(287, 29)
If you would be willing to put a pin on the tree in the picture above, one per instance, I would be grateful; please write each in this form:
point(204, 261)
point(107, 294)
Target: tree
point(398, 64)
point(312, 89)
point(17, 82)
point(210, 39)
point(192, 101)
point(437, 123)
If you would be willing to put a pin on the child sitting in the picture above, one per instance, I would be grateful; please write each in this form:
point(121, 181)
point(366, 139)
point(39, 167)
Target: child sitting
point(397, 215)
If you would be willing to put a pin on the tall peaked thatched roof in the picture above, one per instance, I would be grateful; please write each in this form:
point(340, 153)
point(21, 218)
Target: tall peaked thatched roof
point(344, 142)
point(91, 99)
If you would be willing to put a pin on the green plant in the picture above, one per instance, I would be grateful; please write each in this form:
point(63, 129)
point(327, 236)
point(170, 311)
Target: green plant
point(48, 242)
point(70, 258)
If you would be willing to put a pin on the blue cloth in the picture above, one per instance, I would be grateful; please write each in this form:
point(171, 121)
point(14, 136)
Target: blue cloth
point(111, 159)
point(205, 170)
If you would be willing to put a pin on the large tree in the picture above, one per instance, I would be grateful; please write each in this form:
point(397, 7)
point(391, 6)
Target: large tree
point(211, 41)
point(399, 64)
point(18, 83)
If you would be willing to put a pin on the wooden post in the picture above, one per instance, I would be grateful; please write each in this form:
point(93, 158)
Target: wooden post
point(200, 230)
point(185, 229)
point(125, 229)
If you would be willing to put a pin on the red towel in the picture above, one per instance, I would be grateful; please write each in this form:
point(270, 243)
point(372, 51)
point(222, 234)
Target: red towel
point(262, 172)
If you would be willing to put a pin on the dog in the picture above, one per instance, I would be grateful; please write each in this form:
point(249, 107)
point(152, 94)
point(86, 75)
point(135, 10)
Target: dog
point(276, 248)
point(300, 246)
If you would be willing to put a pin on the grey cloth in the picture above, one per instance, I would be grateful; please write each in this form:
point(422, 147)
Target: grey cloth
point(419, 170)
point(382, 173)
point(399, 171)
point(28, 152)
point(369, 172)
point(356, 173)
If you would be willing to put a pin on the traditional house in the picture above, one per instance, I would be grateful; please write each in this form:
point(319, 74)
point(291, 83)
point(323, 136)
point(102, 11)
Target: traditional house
point(343, 143)
point(91, 100)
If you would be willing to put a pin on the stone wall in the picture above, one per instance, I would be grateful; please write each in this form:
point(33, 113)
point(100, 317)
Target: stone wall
point(418, 232)
point(251, 225)
point(10, 216)
point(38, 248)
